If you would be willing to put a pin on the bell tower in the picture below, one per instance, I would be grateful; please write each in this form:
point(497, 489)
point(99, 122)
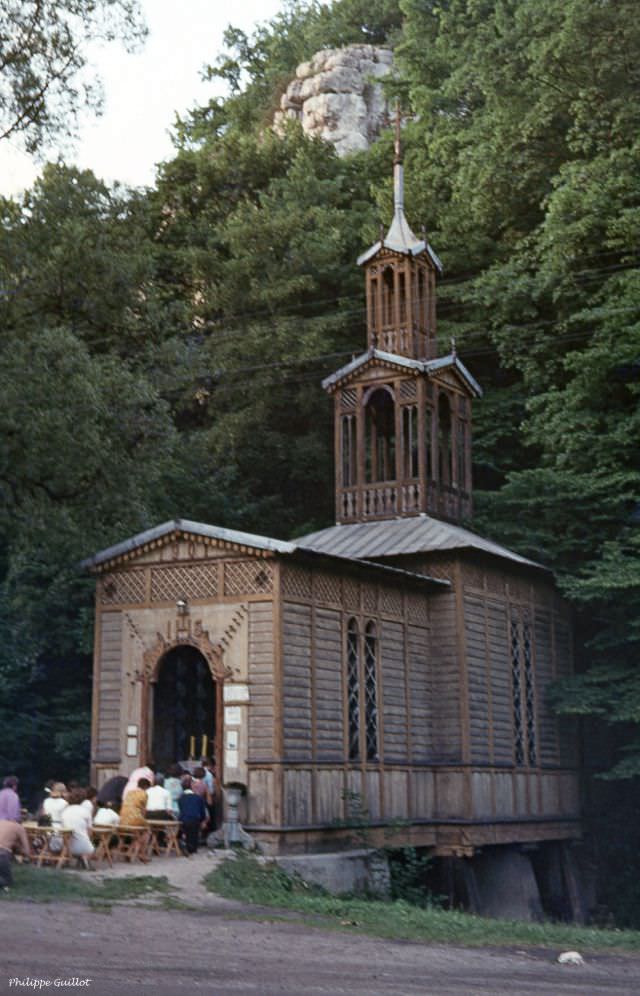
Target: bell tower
point(400, 275)
point(402, 414)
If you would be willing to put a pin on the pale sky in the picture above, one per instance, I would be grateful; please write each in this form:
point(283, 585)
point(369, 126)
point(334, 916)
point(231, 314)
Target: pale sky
point(144, 90)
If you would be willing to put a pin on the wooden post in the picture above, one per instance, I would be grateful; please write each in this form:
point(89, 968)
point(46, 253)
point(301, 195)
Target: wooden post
point(337, 444)
point(422, 442)
point(95, 704)
point(409, 311)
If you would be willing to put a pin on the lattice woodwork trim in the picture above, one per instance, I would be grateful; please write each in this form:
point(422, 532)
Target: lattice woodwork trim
point(391, 602)
point(444, 570)
point(296, 582)
point(417, 609)
point(121, 588)
point(326, 588)
point(495, 584)
point(351, 594)
point(370, 599)
point(473, 577)
point(171, 583)
point(348, 399)
point(248, 577)
point(519, 591)
point(408, 390)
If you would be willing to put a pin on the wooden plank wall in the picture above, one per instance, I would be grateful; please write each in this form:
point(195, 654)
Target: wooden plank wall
point(447, 731)
point(392, 696)
point(421, 773)
point(548, 744)
point(297, 681)
point(488, 658)
point(479, 657)
point(499, 665)
point(261, 680)
point(329, 723)
point(107, 746)
point(420, 685)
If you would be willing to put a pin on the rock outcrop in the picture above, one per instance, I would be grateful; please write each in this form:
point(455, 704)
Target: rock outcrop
point(336, 96)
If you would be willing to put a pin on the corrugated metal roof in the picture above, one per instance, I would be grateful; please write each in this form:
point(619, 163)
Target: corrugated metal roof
point(394, 359)
point(250, 540)
point(196, 529)
point(395, 537)
point(397, 243)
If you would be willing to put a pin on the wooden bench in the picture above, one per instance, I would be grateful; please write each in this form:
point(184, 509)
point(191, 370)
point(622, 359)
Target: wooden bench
point(133, 842)
point(49, 845)
point(171, 831)
point(102, 838)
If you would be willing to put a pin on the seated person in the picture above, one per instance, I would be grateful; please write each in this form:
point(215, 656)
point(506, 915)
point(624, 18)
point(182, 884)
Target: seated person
point(112, 790)
point(56, 803)
point(89, 803)
point(159, 804)
point(106, 816)
point(76, 818)
point(12, 836)
point(134, 780)
point(133, 813)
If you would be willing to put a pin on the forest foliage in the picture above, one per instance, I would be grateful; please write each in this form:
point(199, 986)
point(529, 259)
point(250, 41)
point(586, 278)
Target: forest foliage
point(162, 350)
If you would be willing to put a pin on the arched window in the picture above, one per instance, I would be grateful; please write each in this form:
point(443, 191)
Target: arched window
point(371, 690)
point(444, 439)
point(523, 690)
point(380, 430)
point(353, 689)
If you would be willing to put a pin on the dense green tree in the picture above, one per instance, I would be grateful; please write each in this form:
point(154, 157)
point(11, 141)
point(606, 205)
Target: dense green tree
point(527, 159)
point(218, 301)
point(43, 52)
point(262, 233)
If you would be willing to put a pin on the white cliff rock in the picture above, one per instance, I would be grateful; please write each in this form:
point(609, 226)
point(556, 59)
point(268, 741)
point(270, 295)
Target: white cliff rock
point(336, 96)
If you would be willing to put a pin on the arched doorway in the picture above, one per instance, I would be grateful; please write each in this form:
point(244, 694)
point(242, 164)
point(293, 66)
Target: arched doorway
point(186, 709)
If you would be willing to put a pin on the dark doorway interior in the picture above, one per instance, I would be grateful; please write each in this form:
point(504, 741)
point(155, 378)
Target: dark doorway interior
point(184, 709)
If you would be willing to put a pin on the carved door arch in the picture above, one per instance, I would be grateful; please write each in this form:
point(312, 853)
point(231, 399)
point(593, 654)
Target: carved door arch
point(153, 659)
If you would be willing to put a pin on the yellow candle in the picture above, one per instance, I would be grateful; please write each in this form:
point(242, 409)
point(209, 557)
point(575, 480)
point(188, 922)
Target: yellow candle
point(205, 740)
point(192, 747)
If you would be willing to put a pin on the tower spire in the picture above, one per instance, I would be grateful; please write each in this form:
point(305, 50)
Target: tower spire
point(398, 173)
point(397, 146)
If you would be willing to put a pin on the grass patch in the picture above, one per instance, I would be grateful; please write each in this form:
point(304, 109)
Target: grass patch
point(267, 885)
point(42, 885)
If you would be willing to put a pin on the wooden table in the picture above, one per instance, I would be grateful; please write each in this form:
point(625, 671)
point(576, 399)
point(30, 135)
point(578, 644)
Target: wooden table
point(40, 844)
point(171, 831)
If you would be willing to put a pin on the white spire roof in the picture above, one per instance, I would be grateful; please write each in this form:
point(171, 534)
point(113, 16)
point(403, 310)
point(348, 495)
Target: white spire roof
point(399, 237)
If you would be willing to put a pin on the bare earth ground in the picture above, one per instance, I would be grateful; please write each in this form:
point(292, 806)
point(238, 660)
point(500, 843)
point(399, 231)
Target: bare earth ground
point(220, 946)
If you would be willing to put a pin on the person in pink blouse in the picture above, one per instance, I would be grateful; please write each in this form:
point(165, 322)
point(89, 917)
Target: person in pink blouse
point(10, 800)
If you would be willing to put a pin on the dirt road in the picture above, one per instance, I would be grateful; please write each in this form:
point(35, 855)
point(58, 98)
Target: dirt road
point(229, 950)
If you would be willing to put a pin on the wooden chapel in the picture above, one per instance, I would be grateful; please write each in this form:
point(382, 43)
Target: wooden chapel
point(395, 657)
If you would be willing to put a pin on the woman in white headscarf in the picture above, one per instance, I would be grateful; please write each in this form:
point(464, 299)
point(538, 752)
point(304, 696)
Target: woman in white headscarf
point(135, 777)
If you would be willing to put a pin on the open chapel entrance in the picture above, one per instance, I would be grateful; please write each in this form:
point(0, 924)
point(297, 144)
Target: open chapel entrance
point(187, 709)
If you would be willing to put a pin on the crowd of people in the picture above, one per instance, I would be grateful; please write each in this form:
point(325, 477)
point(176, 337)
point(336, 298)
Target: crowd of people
point(187, 796)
